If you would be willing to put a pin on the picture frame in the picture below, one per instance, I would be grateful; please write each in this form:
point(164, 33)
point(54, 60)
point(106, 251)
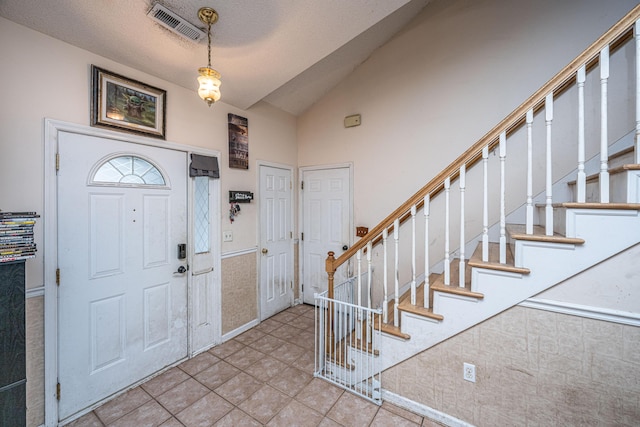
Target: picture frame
point(123, 104)
point(238, 142)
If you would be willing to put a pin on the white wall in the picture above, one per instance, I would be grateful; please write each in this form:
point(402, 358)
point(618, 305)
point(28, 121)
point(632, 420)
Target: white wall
point(45, 78)
point(440, 85)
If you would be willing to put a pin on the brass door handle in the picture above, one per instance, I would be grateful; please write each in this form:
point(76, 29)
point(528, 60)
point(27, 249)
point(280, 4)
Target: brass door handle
point(264, 251)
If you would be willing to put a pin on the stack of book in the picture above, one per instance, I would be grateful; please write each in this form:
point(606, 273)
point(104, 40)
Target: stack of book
point(16, 236)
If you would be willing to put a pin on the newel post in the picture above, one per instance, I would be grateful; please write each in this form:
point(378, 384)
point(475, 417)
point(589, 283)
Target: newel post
point(330, 269)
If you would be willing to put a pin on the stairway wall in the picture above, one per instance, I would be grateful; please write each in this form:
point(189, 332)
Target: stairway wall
point(536, 366)
point(440, 85)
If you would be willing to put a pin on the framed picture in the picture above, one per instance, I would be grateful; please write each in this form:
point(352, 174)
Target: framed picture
point(128, 105)
point(238, 142)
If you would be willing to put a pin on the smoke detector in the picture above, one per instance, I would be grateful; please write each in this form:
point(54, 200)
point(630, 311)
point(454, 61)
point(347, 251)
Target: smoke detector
point(175, 23)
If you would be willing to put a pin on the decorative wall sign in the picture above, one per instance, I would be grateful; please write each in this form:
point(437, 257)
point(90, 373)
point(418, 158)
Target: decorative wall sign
point(238, 142)
point(240, 196)
point(128, 105)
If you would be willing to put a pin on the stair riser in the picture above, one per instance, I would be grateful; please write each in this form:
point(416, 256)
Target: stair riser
point(623, 188)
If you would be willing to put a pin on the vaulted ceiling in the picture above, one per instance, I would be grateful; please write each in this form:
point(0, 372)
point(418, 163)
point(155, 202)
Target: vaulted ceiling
point(286, 52)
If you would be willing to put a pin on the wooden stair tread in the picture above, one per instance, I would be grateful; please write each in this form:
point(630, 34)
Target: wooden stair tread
point(453, 287)
point(494, 260)
point(594, 205)
point(358, 344)
point(418, 309)
point(392, 330)
point(612, 171)
point(518, 232)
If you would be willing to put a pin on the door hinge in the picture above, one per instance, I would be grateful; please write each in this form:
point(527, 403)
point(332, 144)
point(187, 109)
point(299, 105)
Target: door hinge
point(302, 236)
point(302, 288)
point(58, 391)
point(290, 185)
point(291, 234)
point(58, 276)
point(302, 185)
point(57, 162)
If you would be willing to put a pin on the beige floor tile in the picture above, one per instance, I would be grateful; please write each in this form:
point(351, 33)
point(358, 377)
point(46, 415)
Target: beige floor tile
point(172, 422)
point(265, 403)
point(265, 369)
point(306, 362)
point(244, 358)
point(182, 395)
point(288, 353)
point(88, 420)
point(304, 339)
point(304, 323)
point(239, 388)
point(319, 395)
point(285, 317)
point(431, 423)
point(205, 411)
point(290, 381)
point(386, 418)
point(249, 336)
point(199, 363)
point(328, 422)
point(267, 344)
point(353, 410)
point(402, 412)
point(268, 326)
point(296, 414)
point(286, 332)
point(163, 382)
point(226, 349)
point(301, 308)
point(148, 415)
point(216, 375)
point(122, 405)
point(237, 418)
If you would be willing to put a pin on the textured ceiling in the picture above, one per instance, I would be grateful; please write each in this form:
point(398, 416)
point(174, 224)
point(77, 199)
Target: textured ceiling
point(286, 52)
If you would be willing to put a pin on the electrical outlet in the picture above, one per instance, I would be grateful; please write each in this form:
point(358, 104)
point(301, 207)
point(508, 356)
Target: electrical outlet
point(227, 236)
point(469, 372)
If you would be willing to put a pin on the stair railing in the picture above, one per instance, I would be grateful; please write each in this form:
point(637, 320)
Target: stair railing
point(573, 75)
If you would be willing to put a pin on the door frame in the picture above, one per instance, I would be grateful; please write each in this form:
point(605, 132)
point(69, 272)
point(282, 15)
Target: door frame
point(51, 130)
point(301, 171)
point(261, 163)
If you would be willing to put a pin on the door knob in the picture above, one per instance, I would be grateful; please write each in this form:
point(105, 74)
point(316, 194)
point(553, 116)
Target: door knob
point(264, 251)
point(181, 270)
point(345, 247)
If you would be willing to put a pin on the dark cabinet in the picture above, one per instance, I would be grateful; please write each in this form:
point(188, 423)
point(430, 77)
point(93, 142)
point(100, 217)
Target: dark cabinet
point(12, 345)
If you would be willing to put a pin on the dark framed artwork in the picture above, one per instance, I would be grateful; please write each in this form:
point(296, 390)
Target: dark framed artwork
point(238, 142)
point(128, 105)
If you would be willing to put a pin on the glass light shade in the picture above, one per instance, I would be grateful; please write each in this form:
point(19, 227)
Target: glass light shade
point(209, 80)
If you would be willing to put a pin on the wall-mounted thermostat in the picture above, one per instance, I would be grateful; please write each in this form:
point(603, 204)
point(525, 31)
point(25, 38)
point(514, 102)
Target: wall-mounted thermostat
point(351, 121)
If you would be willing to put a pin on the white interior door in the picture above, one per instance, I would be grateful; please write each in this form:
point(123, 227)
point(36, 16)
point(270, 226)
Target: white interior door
point(326, 223)
point(276, 234)
point(122, 306)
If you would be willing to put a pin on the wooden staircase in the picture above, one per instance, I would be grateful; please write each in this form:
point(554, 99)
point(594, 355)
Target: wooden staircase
point(524, 252)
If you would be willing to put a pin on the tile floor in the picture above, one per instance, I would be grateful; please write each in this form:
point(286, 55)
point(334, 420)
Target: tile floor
point(262, 377)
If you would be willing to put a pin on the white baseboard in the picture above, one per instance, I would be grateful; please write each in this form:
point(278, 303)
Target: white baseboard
point(241, 329)
point(423, 410)
point(597, 313)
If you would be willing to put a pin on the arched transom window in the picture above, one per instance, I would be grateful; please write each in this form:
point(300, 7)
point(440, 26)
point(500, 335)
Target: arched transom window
point(128, 170)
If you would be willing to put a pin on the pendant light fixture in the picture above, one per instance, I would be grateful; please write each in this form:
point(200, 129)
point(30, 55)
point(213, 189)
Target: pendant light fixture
point(209, 79)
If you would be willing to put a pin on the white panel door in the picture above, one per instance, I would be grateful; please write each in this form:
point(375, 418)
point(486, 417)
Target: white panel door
point(122, 306)
point(276, 234)
point(326, 224)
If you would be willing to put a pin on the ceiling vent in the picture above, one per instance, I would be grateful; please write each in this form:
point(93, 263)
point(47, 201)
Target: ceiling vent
point(175, 23)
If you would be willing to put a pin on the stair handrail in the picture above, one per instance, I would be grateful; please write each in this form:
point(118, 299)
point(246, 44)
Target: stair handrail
point(615, 37)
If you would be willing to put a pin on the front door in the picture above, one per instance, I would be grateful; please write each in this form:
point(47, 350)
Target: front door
point(276, 235)
point(122, 300)
point(326, 223)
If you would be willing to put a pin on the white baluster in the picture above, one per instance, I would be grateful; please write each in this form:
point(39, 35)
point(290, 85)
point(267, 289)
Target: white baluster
point(529, 210)
point(485, 204)
point(359, 262)
point(426, 301)
point(637, 141)
point(462, 183)
point(581, 181)
point(385, 302)
point(396, 237)
point(503, 218)
point(369, 272)
point(604, 156)
point(548, 210)
point(447, 267)
point(413, 255)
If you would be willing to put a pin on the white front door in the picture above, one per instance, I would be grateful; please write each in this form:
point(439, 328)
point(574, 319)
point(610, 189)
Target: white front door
point(326, 223)
point(122, 304)
point(276, 235)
